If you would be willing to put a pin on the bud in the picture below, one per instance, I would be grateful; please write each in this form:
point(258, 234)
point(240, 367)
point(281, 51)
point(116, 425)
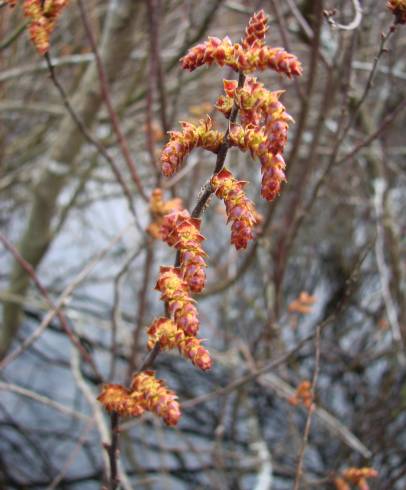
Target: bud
point(303, 395)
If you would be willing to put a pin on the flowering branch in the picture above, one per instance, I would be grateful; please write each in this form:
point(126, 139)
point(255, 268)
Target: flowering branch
point(262, 131)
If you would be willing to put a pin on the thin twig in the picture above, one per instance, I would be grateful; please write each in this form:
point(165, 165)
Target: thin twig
point(299, 469)
point(89, 138)
point(44, 400)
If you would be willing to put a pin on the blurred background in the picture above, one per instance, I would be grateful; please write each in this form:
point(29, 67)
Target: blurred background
point(320, 292)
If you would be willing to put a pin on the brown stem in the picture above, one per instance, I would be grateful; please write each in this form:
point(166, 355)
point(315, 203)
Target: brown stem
point(113, 451)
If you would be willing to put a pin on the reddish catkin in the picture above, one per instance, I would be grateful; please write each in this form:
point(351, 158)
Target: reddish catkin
point(169, 336)
point(156, 397)
point(42, 17)
point(240, 210)
point(255, 31)
point(146, 393)
point(398, 8)
point(181, 231)
point(263, 132)
point(181, 143)
point(356, 477)
point(174, 291)
point(255, 140)
point(257, 57)
point(116, 398)
point(258, 108)
point(303, 395)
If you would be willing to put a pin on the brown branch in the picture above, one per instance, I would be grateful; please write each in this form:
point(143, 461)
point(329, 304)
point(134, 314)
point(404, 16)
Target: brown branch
point(112, 451)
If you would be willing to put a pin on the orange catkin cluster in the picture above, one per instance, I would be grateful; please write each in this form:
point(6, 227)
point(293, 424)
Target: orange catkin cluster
point(169, 336)
point(356, 477)
point(42, 17)
point(249, 56)
point(175, 292)
point(240, 210)
point(304, 395)
point(146, 393)
point(398, 8)
point(181, 143)
point(263, 132)
point(181, 231)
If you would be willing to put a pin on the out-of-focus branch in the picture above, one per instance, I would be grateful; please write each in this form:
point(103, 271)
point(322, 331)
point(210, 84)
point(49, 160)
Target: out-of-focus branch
point(63, 321)
point(105, 90)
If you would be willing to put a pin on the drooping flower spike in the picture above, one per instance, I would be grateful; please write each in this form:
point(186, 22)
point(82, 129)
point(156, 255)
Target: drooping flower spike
point(156, 397)
point(146, 393)
point(254, 140)
point(181, 231)
point(181, 143)
point(240, 210)
point(169, 336)
point(174, 291)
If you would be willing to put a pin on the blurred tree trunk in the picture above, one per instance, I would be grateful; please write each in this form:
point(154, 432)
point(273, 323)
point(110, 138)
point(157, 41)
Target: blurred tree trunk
point(115, 49)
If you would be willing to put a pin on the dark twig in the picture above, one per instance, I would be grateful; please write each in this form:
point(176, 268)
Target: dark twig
point(299, 469)
point(112, 451)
